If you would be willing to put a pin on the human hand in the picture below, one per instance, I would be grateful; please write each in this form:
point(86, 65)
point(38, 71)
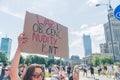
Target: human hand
point(22, 39)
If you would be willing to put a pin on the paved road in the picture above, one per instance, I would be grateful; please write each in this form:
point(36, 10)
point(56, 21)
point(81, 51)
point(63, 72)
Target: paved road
point(97, 77)
point(101, 77)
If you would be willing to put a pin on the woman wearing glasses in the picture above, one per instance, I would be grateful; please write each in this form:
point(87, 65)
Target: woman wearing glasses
point(75, 74)
point(32, 72)
point(7, 73)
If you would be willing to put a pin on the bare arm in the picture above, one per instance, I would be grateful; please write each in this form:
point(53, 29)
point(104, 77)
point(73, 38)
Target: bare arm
point(15, 62)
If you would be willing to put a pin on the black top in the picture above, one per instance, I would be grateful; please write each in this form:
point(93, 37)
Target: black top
point(71, 78)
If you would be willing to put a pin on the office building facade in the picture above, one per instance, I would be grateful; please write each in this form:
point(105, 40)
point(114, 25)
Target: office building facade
point(6, 46)
point(115, 32)
point(73, 57)
point(104, 48)
point(87, 44)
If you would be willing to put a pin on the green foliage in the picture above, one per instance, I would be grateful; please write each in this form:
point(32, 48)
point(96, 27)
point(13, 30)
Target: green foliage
point(50, 62)
point(39, 60)
point(95, 61)
point(102, 60)
point(35, 59)
point(3, 57)
point(21, 60)
point(57, 62)
point(28, 60)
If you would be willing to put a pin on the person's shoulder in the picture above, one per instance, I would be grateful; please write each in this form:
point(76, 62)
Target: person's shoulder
point(71, 78)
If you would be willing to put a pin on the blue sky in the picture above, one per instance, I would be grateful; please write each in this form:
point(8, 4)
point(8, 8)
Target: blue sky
point(80, 16)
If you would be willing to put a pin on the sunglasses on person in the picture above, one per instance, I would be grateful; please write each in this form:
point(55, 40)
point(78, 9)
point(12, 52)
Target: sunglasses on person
point(37, 75)
point(6, 69)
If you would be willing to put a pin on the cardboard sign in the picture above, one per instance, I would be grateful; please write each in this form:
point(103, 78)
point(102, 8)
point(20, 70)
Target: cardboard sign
point(45, 36)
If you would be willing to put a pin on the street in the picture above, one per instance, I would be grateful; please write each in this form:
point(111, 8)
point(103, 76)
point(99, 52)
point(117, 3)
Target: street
point(97, 77)
point(89, 77)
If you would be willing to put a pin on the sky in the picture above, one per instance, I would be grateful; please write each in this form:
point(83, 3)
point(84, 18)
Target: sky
point(79, 16)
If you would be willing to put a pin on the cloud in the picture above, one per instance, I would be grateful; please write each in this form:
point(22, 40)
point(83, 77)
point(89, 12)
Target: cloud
point(6, 10)
point(96, 33)
point(76, 42)
point(84, 26)
point(45, 7)
point(92, 2)
point(0, 33)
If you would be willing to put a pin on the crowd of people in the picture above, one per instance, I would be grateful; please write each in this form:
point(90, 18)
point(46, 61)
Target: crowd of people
point(107, 70)
point(15, 71)
point(33, 71)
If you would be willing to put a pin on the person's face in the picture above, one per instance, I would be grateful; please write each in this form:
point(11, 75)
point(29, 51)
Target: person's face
point(37, 74)
point(119, 69)
point(61, 68)
point(75, 76)
point(7, 71)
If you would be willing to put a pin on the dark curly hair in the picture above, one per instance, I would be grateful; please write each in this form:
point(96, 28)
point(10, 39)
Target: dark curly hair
point(30, 70)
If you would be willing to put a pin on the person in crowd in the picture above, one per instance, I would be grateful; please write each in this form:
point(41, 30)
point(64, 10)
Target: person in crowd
point(115, 68)
point(99, 70)
point(92, 71)
point(3, 71)
point(68, 70)
point(110, 69)
point(49, 70)
point(75, 75)
point(85, 70)
point(76, 68)
point(33, 72)
point(22, 69)
point(62, 73)
point(117, 74)
point(105, 69)
point(55, 72)
point(7, 73)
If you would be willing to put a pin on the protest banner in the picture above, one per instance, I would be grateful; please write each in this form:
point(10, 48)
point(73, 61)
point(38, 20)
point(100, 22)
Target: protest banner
point(45, 36)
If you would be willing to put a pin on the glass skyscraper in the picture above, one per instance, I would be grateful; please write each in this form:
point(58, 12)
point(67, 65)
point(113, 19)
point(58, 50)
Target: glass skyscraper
point(87, 44)
point(6, 46)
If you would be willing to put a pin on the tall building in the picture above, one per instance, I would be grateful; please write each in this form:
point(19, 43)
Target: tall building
point(73, 57)
point(115, 32)
point(6, 46)
point(74, 60)
point(104, 48)
point(87, 44)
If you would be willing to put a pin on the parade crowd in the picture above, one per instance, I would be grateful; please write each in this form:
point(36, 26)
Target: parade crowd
point(17, 71)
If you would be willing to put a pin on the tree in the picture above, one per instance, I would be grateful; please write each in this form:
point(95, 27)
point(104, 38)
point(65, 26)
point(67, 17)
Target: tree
point(102, 60)
point(57, 62)
point(50, 62)
point(3, 57)
point(38, 60)
point(35, 59)
point(109, 60)
point(95, 61)
point(28, 60)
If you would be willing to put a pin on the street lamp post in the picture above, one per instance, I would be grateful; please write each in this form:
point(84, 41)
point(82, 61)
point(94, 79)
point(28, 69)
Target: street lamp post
point(109, 22)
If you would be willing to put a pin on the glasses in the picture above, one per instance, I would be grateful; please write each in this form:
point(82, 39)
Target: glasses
point(37, 75)
point(6, 69)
